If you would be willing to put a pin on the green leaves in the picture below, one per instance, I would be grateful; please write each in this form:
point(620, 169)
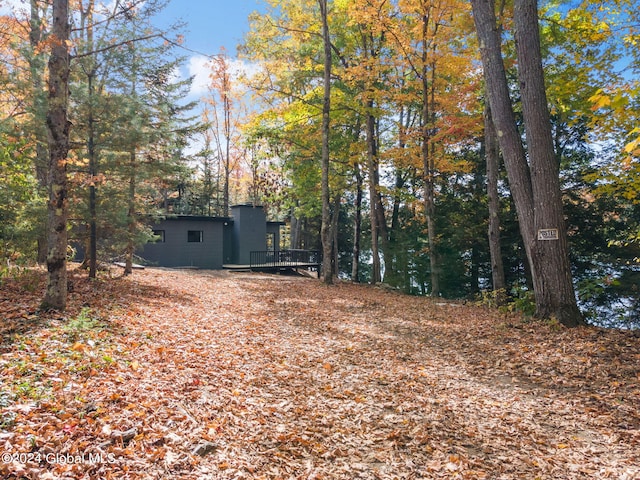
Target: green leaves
point(19, 199)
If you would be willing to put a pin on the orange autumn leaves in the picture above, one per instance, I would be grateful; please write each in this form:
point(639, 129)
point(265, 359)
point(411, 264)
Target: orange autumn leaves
point(215, 375)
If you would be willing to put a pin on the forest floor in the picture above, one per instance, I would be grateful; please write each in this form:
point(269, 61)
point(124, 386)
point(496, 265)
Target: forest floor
point(216, 375)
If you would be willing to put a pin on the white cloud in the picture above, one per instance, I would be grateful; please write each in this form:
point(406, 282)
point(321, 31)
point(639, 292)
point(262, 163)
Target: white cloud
point(199, 67)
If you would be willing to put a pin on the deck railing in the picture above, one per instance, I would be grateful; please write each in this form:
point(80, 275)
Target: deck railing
point(285, 259)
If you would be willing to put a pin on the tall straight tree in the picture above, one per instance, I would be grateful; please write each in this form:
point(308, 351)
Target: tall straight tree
point(154, 128)
point(327, 237)
point(534, 183)
point(293, 89)
point(492, 156)
point(372, 39)
point(58, 125)
point(553, 284)
point(427, 79)
point(90, 67)
point(221, 84)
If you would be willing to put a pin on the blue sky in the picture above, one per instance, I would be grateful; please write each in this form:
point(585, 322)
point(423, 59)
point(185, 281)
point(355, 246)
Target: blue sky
point(212, 24)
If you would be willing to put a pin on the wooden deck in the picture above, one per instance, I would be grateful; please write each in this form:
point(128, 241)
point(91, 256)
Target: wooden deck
point(276, 261)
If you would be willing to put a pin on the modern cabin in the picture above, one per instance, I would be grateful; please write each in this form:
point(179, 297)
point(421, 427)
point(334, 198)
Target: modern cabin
point(212, 242)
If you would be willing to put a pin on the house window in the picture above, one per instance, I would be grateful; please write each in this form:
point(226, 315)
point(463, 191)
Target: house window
point(194, 236)
point(158, 236)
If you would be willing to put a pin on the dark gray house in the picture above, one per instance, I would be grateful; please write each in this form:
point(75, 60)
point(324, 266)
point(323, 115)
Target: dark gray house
point(212, 242)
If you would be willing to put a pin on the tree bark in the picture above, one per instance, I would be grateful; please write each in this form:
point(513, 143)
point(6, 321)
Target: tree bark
point(93, 174)
point(226, 103)
point(392, 264)
point(430, 213)
point(131, 214)
point(428, 160)
point(372, 166)
point(521, 179)
point(295, 231)
point(553, 284)
point(357, 227)
point(492, 155)
point(502, 113)
point(327, 238)
point(58, 125)
point(335, 217)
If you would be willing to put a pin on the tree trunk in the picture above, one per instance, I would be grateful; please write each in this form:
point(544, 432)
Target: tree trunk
point(58, 125)
point(226, 103)
point(430, 204)
point(521, 178)
point(372, 166)
point(327, 238)
point(131, 215)
point(86, 22)
point(392, 274)
point(492, 155)
point(335, 217)
point(428, 160)
point(294, 239)
point(93, 174)
point(553, 284)
point(502, 114)
point(430, 212)
point(357, 227)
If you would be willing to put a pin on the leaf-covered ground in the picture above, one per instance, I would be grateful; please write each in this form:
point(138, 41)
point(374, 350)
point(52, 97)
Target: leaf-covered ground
point(215, 375)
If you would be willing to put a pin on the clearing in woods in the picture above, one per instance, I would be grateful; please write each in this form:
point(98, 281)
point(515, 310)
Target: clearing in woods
point(215, 375)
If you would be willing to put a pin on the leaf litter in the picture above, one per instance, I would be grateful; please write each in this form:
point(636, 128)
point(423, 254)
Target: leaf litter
point(216, 375)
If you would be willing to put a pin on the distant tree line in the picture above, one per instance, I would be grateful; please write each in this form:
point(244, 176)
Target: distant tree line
point(455, 149)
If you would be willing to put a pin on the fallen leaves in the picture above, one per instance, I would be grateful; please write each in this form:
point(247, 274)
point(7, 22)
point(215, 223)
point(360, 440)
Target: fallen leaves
point(195, 375)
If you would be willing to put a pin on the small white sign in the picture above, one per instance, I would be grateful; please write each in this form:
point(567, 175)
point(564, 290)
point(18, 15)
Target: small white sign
point(548, 234)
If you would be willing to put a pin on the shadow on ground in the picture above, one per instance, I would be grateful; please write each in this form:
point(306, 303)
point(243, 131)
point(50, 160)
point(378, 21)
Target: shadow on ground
point(22, 292)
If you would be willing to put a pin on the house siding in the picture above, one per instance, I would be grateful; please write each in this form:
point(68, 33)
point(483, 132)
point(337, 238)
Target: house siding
point(225, 241)
point(250, 231)
point(176, 251)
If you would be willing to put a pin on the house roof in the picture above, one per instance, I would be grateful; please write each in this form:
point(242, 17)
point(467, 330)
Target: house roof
point(201, 218)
